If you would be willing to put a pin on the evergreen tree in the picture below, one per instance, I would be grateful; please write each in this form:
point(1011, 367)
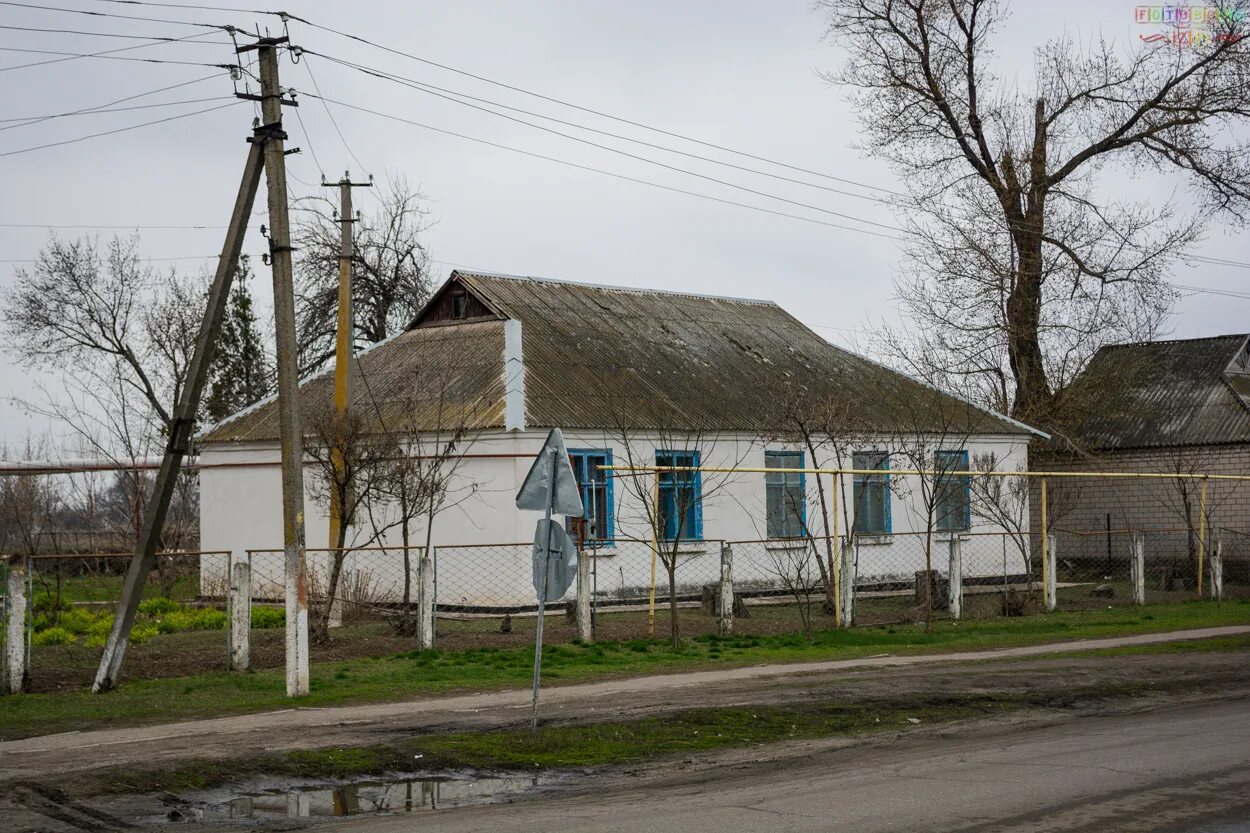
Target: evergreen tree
point(239, 374)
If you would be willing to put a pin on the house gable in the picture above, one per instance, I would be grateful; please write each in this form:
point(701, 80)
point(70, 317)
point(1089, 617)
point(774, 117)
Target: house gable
point(454, 303)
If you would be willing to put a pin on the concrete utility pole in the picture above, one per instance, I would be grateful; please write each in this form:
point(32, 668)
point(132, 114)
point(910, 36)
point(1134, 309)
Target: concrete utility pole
point(296, 572)
point(343, 352)
point(179, 443)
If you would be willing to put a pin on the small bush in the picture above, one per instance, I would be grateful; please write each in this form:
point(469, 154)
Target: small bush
point(46, 603)
point(205, 619)
point(77, 620)
point(54, 636)
point(142, 632)
point(268, 617)
point(100, 628)
point(158, 607)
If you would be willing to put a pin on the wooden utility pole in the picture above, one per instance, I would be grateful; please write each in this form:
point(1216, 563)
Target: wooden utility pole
point(180, 430)
point(343, 353)
point(296, 572)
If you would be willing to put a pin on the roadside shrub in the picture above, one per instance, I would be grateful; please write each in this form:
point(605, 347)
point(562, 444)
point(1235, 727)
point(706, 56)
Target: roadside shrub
point(158, 607)
point(100, 628)
point(142, 632)
point(206, 619)
point(54, 636)
point(47, 603)
point(77, 620)
point(268, 617)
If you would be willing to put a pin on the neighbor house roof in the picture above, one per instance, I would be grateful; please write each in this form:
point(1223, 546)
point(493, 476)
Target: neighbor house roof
point(600, 357)
point(1163, 393)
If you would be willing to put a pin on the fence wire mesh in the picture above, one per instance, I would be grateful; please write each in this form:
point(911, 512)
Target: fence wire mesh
point(483, 594)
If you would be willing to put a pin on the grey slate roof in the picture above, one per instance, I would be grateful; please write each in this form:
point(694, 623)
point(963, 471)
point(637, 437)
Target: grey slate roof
point(1163, 393)
point(612, 358)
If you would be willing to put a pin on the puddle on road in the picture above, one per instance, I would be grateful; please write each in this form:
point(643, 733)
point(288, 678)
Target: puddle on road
point(391, 796)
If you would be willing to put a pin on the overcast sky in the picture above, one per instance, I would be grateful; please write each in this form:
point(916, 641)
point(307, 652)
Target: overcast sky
point(741, 74)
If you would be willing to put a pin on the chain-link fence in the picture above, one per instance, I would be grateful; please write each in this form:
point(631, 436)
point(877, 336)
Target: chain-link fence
point(483, 596)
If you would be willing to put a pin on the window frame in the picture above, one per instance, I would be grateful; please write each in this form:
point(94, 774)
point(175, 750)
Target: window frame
point(579, 459)
point(859, 481)
point(772, 454)
point(965, 522)
point(695, 534)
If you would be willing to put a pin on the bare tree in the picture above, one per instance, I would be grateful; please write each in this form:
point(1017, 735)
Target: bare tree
point(351, 461)
point(29, 504)
point(1022, 266)
point(391, 283)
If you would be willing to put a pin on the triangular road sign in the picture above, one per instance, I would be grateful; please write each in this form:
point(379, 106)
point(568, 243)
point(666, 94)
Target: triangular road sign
point(536, 491)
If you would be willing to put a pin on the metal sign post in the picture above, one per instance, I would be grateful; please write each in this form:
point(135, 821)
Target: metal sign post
point(551, 487)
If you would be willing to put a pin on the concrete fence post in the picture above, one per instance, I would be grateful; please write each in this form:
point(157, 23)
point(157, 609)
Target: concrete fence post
point(425, 600)
point(846, 556)
point(955, 579)
point(240, 615)
point(1050, 591)
point(584, 632)
point(725, 620)
point(1137, 568)
point(17, 675)
point(1217, 570)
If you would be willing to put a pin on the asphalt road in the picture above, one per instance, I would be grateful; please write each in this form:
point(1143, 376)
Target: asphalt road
point(1180, 769)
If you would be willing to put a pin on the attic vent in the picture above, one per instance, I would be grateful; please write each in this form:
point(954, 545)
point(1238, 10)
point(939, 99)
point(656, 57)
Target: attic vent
point(459, 304)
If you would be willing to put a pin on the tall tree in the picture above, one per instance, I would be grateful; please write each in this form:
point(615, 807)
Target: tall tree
point(240, 372)
point(1021, 264)
point(391, 282)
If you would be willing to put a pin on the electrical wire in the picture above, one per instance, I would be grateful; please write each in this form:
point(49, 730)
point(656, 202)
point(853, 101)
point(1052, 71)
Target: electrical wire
point(162, 259)
point(89, 13)
point(444, 93)
point(333, 121)
point(140, 107)
point(639, 158)
point(603, 172)
point(117, 130)
point(192, 6)
point(100, 107)
point(73, 56)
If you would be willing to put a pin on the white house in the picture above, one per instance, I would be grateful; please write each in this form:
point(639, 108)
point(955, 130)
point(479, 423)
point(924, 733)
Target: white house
point(633, 377)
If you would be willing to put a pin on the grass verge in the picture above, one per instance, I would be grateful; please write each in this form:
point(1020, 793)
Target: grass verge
point(423, 673)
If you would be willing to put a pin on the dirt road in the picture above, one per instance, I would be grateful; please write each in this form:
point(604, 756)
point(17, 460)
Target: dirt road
point(309, 728)
point(1165, 770)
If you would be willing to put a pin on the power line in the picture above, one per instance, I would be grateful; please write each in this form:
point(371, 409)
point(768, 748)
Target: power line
point(92, 34)
point(432, 89)
point(333, 121)
point(37, 119)
point(627, 154)
point(192, 6)
point(160, 259)
point(136, 227)
point(118, 16)
point(139, 107)
point(591, 111)
point(603, 172)
point(73, 56)
point(102, 56)
point(117, 130)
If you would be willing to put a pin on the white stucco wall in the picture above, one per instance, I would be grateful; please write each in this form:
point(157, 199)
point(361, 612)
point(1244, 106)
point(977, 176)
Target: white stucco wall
point(483, 557)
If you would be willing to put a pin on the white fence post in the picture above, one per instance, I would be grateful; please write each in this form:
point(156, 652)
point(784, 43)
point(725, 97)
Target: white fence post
point(1217, 571)
point(584, 633)
point(725, 622)
point(1050, 591)
point(17, 675)
point(955, 579)
point(240, 615)
point(1137, 569)
point(425, 600)
point(846, 556)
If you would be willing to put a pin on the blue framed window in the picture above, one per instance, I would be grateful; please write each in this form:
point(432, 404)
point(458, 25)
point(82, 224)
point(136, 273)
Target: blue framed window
point(785, 495)
point(681, 500)
point(871, 493)
point(952, 505)
point(595, 487)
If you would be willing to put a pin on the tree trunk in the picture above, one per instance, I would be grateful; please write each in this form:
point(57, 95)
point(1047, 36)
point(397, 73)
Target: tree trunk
point(675, 623)
point(319, 632)
point(407, 564)
point(928, 582)
point(1024, 311)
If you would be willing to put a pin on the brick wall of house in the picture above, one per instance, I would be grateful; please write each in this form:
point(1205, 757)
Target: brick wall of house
point(1094, 505)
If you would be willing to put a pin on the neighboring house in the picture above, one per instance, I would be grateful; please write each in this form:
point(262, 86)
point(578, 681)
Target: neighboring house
point(1178, 407)
point(632, 377)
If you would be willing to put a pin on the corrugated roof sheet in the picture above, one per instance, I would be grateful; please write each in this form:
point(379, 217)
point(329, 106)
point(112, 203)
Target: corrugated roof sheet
point(1162, 393)
point(421, 379)
point(612, 358)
